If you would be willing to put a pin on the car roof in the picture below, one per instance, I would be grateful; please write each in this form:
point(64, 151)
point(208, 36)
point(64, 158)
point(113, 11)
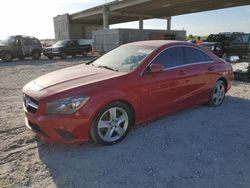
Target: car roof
point(155, 43)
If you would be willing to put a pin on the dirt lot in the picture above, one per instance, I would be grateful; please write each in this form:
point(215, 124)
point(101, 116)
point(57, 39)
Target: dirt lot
point(198, 147)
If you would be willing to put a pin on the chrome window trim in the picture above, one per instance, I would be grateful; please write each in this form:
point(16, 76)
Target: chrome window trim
point(202, 62)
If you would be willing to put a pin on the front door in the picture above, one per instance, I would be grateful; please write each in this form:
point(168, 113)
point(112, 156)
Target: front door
point(163, 92)
point(17, 48)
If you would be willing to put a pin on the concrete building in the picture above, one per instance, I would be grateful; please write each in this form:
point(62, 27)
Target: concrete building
point(94, 23)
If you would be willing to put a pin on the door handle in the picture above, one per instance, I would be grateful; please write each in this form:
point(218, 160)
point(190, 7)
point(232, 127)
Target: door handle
point(211, 68)
point(181, 73)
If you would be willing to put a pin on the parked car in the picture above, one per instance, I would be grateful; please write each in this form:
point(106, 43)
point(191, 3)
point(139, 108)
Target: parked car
point(128, 86)
point(228, 44)
point(66, 48)
point(20, 47)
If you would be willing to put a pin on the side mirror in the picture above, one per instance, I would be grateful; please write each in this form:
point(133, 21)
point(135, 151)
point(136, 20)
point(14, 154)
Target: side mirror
point(156, 68)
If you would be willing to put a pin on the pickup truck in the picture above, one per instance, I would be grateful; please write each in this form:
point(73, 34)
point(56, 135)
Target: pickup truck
point(20, 47)
point(66, 48)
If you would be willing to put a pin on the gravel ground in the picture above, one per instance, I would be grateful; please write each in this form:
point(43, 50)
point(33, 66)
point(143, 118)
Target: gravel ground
point(197, 147)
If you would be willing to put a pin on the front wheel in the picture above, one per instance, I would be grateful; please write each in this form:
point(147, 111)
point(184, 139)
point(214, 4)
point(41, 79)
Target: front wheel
point(111, 124)
point(63, 55)
point(217, 95)
point(7, 57)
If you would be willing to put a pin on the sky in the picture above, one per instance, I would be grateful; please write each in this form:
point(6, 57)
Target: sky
point(35, 18)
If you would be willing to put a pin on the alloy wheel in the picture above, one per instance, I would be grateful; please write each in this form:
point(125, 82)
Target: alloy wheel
point(218, 93)
point(113, 124)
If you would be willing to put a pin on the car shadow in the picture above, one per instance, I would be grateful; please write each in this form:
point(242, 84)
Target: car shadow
point(192, 148)
point(43, 61)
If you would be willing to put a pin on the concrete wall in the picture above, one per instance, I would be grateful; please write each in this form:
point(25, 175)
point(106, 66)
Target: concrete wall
point(64, 29)
point(106, 40)
point(61, 27)
point(82, 31)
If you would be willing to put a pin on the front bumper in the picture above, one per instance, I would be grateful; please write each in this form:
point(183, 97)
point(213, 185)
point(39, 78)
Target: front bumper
point(60, 129)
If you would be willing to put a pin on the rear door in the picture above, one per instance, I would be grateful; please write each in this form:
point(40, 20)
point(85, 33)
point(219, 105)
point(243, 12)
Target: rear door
point(26, 44)
point(163, 92)
point(202, 68)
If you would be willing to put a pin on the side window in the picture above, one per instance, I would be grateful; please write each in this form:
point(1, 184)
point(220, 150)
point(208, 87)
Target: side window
point(70, 43)
point(75, 43)
point(245, 38)
point(25, 41)
point(35, 41)
point(193, 55)
point(169, 58)
point(237, 39)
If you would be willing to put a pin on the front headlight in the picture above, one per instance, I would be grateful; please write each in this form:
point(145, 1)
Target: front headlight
point(66, 106)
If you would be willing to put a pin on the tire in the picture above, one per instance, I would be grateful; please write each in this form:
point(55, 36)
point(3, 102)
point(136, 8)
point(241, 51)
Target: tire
point(7, 57)
point(217, 95)
point(36, 55)
point(107, 128)
point(63, 55)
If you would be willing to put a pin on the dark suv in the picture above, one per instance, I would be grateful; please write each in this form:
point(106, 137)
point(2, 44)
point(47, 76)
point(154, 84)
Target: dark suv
point(228, 44)
point(20, 47)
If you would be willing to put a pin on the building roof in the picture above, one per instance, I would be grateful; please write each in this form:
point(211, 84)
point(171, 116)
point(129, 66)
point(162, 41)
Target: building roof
point(131, 10)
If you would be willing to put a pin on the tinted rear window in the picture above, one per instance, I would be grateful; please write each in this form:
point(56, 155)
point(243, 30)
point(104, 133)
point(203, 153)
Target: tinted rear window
point(193, 55)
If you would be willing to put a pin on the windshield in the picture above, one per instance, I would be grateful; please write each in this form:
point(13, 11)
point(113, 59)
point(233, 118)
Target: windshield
point(8, 41)
point(124, 58)
point(60, 43)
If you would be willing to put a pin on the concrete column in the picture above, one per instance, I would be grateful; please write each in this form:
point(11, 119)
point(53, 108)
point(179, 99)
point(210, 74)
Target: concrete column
point(105, 18)
point(141, 23)
point(169, 23)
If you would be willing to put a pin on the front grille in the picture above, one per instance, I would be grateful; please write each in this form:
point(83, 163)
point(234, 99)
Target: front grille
point(37, 129)
point(30, 104)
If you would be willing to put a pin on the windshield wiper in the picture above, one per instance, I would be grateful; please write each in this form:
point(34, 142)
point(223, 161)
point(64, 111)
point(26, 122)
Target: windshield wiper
point(109, 68)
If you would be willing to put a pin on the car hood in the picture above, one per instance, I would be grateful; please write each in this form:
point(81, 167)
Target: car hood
point(48, 48)
point(75, 76)
point(68, 78)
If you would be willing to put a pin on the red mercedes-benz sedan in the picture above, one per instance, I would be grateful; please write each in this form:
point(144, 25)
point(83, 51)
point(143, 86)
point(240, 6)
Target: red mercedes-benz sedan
point(129, 85)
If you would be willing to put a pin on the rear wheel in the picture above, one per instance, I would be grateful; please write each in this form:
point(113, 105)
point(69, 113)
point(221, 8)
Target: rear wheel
point(217, 95)
point(7, 57)
point(36, 55)
point(111, 124)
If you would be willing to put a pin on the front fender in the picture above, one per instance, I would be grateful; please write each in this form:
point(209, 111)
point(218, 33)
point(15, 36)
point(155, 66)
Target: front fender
point(99, 101)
